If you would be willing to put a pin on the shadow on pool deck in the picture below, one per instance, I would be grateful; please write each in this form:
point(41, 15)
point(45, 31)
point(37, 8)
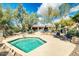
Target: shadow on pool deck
point(4, 53)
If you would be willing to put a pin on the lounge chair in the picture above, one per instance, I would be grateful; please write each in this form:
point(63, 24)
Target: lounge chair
point(57, 34)
point(11, 53)
point(66, 37)
point(2, 47)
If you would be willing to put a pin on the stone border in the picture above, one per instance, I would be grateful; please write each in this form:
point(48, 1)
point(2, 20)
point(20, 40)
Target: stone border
point(14, 48)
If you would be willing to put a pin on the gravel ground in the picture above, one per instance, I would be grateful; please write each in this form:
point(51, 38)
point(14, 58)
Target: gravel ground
point(75, 51)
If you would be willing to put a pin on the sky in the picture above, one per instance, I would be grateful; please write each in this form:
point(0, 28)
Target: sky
point(30, 7)
point(41, 8)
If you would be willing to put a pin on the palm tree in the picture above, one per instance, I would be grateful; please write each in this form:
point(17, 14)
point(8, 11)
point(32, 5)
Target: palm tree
point(64, 9)
point(1, 12)
point(52, 13)
point(21, 15)
point(1, 15)
point(25, 21)
point(33, 19)
point(5, 21)
point(49, 17)
point(76, 20)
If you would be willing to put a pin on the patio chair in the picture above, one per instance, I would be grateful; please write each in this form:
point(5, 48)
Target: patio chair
point(57, 34)
point(2, 47)
point(63, 37)
point(66, 37)
point(3, 50)
point(11, 53)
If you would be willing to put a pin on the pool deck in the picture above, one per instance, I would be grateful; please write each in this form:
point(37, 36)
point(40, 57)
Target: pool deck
point(53, 47)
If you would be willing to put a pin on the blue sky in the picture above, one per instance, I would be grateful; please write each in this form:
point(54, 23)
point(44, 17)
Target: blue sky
point(73, 4)
point(40, 7)
point(30, 7)
point(33, 7)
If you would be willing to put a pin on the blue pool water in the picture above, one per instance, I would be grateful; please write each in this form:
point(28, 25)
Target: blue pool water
point(27, 44)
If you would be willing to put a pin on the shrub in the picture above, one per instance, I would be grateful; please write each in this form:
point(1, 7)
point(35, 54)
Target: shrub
point(30, 31)
point(77, 33)
point(72, 32)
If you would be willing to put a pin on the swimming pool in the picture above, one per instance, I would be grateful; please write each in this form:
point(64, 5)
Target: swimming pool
point(27, 44)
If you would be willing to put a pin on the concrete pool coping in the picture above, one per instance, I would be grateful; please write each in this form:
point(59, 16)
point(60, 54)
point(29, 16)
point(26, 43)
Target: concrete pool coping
point(53, 47)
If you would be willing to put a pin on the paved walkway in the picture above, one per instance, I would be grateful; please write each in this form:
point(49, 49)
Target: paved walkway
point(53, 47)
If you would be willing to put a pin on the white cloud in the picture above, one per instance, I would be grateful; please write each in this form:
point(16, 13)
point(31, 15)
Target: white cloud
point(76, 8)
point(65, 18)
point(43, 8)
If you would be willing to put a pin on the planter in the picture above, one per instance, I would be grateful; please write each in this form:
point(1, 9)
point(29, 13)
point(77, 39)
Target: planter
point(75, 40)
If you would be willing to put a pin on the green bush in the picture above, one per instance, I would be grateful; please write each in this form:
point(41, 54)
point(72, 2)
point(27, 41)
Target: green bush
point(15, 29)
point(77, 33)
point(72, 32)
point(30, 31)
